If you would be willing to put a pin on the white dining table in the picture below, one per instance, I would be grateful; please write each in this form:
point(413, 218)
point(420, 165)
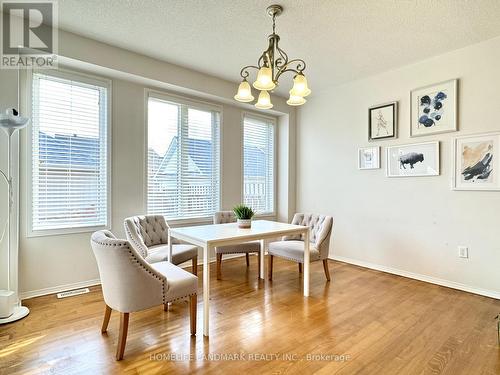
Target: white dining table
point(208, 237)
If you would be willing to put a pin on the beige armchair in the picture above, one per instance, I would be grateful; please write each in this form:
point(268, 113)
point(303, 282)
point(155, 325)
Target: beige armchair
point(130, 284)
point(292, 247)
point(223, 217)
point(149, 236)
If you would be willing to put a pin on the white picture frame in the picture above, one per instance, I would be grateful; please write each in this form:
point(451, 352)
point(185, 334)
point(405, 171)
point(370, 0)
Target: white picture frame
point(369, 158)
point(434, 109)
point(413, 160)
point(476, 164)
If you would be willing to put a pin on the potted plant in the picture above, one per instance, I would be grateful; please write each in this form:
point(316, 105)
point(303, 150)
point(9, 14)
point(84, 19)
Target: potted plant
point(244, 215)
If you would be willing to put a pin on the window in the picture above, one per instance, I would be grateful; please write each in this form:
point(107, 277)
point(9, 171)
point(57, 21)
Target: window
point(258, 163)
point(183, 158)
point(69, 182)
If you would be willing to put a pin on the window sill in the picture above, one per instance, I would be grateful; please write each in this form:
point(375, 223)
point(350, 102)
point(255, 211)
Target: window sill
point(64, 231)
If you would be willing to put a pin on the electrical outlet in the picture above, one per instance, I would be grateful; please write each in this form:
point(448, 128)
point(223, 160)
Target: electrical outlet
point(463, 251)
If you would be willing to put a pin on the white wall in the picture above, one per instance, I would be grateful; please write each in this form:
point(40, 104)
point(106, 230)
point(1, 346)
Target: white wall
point(53, 262)
point(410, 226)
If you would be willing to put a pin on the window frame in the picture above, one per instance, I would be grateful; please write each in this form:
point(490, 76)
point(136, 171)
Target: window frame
point(198, 104)
point(274, 122)
point(85, 78)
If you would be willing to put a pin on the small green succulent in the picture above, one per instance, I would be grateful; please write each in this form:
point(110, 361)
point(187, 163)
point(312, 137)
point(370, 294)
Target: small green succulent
point(243, 212)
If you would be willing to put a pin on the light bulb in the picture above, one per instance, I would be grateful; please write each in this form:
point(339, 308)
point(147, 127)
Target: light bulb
point(264, 79)
point(244, 92)
point(264, 101)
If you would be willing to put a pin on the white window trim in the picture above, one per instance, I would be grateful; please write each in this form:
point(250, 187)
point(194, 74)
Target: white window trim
point(178, 99)
point(85, 78)
point(274, 121)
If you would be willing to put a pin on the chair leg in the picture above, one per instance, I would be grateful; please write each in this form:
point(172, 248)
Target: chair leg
point(327, 271)
point(122, 338)
point(105, 322)
point(258, 261)
point(270, 267)
point(248, 259)
point(219, 266)
point(194, 265)
point(300, 267)
point(165, 306)
point(193, 304)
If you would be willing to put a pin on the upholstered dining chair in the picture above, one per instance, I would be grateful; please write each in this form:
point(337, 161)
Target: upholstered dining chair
point(292, 247)
point(223, 217)
point(149, 235)
point(131, 284)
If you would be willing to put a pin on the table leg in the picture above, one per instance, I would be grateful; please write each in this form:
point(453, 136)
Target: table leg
point(263, 249)
point(206, 290)
point(307, 263)
point(169, 247)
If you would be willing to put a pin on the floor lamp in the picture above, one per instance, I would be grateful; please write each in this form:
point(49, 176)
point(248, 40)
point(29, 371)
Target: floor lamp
point(10, 306)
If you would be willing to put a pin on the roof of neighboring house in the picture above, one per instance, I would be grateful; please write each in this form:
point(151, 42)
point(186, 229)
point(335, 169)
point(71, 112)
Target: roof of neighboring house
point(200, 153)
point(84, 151)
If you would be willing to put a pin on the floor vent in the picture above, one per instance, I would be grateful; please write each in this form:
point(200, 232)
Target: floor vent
point(71, 293)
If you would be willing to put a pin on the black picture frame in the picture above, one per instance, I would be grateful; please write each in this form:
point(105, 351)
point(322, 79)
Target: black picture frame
point(393, 106)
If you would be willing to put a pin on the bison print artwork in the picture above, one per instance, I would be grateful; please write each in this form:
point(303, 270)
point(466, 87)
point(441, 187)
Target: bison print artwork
point(411, 159)
point(419, 159)
point(433, 109)
point(476, 162)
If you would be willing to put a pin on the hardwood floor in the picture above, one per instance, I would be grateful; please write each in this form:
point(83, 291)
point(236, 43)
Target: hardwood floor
point(379, 323)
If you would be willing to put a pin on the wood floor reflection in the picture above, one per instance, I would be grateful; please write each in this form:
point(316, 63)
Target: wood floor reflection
point(363, 321)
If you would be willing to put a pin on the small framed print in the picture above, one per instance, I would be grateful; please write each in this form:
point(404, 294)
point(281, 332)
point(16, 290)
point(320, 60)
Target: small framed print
point(382, 121)
point(476, 164)
point(434, 109)
point(369, 158)
point(415, 160)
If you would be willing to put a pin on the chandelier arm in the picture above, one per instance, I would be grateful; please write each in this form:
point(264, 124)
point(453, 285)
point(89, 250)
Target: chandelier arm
point(300, 67)
point(283, 61)
point(244, 72)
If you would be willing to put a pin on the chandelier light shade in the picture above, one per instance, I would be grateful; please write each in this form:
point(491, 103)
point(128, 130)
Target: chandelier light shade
point(295, 100)
point(300, 86)
point(264, 79)
point(244, 92)
point(270, 66)
point(264, 101)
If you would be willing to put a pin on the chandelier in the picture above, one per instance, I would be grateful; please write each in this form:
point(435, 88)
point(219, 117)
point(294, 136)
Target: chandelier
point(270, 66)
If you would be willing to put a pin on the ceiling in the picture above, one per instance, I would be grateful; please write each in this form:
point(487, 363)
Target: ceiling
point(340, 40)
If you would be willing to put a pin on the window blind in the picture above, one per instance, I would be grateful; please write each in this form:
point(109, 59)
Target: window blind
point(258, 164)
point(183, 159)
point(69, 153)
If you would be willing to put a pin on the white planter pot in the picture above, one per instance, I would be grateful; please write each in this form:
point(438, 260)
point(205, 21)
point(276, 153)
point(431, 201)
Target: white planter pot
point(244, 223)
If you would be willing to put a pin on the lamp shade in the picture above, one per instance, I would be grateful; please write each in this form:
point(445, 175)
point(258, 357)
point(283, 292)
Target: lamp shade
point(295, 100)
point(11, 121)
point(264, 79)
point(244, 93)
point(264, 101)
point(300, 86)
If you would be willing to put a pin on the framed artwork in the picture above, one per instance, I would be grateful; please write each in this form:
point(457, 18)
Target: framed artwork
point(476, 164)
point(369, 158)
point(382, 121)
point(434, 109)
point(414, 160)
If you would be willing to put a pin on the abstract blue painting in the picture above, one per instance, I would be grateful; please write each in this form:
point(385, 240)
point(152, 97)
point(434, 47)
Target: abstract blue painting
point(434, 109)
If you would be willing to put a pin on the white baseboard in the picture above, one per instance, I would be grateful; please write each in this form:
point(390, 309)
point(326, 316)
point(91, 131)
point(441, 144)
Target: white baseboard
point(58, 289)
point(416, 276)
point(84, 284)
